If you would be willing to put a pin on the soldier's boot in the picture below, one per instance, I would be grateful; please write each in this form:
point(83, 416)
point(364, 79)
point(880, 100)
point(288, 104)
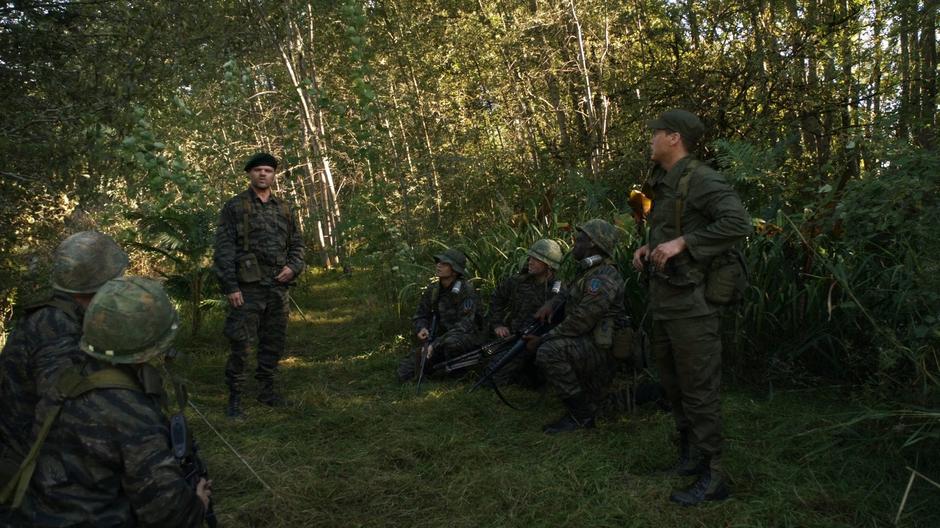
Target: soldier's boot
point(710, 485)
point(234, 409)
point(689, 464)
point(268, 396)
point(580, 415)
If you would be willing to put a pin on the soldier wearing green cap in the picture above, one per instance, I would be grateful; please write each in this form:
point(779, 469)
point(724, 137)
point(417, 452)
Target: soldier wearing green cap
point(453, 304)
point(695, 217)
point(258, 254)
point(575, 356)
point(517, 298)
point(101, 456)
point(45, 338)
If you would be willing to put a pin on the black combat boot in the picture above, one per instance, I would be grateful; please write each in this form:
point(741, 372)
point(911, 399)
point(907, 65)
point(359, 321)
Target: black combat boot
point(234, 409)
point(269, 397)
point(709, 486)
point(580, 415)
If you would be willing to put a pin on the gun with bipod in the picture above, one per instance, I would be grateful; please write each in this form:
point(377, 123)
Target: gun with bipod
point(474, 357)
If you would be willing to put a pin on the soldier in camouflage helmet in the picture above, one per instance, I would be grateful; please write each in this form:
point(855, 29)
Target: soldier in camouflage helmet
point(453, 303)
point(106, 458)
point(695, 217)
point(516, 300)
point(46, 334)
point(258, 254)
point(575, 355)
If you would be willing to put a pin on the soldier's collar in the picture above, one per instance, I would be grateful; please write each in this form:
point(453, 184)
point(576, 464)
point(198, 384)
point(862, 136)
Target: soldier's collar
point(672, 177)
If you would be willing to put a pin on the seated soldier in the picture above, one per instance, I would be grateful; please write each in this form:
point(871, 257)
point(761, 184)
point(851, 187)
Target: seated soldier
point(448, 316)
point(575, 356)
point(102, 453)
point(515, 302)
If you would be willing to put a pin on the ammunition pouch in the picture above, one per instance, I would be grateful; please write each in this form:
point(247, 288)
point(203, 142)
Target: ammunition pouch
point(631, 346)
point(727, 278)
point(248, 269)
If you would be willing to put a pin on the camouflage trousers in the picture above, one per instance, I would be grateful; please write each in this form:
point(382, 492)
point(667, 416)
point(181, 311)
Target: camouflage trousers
point(449, 345)
point(688, 354)
point(575, 365)
point(261, 321)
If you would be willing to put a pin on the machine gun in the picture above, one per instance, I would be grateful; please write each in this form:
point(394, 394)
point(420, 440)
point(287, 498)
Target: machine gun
point(186, 452)
point(424, 353)
point(474, 357)
point(537, 328)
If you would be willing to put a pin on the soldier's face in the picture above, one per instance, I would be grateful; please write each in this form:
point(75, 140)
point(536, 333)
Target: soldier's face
point(662, 143)
point(262, 177)
point(537, 267)
point(443, 270)
point(582, 246)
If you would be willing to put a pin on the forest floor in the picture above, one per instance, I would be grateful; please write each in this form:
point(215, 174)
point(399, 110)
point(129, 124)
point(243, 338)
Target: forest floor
point(357, 448)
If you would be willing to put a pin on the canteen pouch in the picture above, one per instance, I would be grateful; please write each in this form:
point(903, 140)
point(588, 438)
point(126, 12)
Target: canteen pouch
point(622, 348)
point(248, 269)
point(727, 278)
point(604, 333)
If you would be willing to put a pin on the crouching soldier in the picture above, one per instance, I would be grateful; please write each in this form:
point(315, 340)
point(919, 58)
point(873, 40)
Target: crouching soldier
point(517, 299)
point(575, 355)
point(448, 316)
point(102, 453)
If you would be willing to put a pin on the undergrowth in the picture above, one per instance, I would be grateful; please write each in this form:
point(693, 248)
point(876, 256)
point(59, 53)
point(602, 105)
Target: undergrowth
point(358, 449)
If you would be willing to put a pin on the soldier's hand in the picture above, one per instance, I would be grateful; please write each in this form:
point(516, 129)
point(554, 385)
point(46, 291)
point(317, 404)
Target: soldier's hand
point(666, 251)
point(640, 256)
point(501, 331)
point(204, 491)
point(285, 275)
point(423, 334)
point(532, 342)
point(235, 299)
point(544, 313)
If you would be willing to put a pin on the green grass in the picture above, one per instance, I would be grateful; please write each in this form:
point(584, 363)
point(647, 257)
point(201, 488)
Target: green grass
point(358, 449)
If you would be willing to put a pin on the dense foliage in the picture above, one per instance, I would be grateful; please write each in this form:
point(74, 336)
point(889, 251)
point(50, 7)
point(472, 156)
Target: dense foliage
point(405, 126)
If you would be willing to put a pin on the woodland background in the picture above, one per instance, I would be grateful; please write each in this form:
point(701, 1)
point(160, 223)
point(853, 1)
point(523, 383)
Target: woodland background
point(403, 126)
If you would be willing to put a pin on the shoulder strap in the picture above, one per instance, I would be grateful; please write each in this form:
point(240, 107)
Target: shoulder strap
point(683, 188)
point(246, 213)
point(71, 384)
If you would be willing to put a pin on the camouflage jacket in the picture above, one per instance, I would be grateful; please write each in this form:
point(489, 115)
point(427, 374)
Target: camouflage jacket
point(44, 341)
point(712, 221)
point(517, 298)
point(458, 310)
point(272, 236)
point(107, 461)
point(595, 297)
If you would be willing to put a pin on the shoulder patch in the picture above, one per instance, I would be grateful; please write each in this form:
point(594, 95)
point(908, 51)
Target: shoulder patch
point(468, 304)
point(594, 286)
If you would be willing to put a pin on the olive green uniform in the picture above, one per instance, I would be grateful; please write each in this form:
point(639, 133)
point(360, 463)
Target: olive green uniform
point(575, 355)
point(686, 341)
point(269, 232)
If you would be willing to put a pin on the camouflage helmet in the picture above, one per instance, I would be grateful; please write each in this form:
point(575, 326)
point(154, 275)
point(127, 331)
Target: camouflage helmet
point(603, 234)
point(547, 251)
point(85, 261)
point(130, 320)
point(455, 258)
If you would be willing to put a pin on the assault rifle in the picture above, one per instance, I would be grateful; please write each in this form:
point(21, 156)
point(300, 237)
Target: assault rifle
point(537, 328)
point(424, 353)
point(187, 454)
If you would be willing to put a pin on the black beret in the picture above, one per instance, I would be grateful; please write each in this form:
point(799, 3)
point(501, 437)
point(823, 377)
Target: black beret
point(262, 158)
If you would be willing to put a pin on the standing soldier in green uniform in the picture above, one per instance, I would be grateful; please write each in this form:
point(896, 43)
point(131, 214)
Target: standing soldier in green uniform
point(452, 306)
point(517, 298)
point(575, 355)
point(45, 339)
point(258, 253)
point(696, 216)
point(102, 454)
